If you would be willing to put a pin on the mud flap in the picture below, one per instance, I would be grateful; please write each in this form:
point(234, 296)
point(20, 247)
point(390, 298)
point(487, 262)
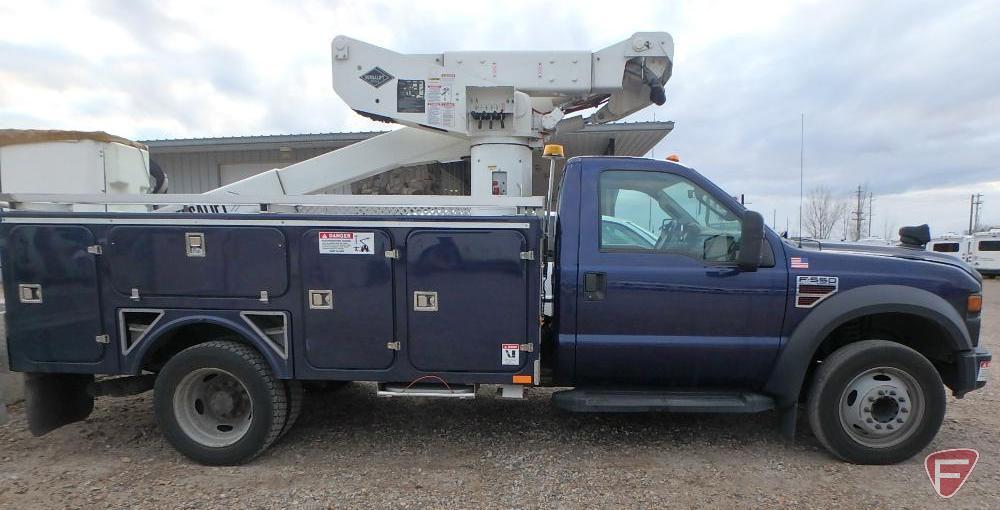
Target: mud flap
point(54, 400)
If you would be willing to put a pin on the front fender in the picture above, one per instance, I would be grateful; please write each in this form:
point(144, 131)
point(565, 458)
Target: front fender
point(785, 382)
point(172, 320)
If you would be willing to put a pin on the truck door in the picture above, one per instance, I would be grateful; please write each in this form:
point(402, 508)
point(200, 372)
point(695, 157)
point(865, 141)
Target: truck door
point(53, 303)
point(469, 298)
point(660, 300)
point(347, 280)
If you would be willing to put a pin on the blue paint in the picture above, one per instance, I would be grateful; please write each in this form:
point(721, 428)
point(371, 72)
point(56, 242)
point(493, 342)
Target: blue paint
point(354, 333)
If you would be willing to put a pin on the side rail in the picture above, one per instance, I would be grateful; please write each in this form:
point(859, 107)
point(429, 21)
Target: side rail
point(346, 205)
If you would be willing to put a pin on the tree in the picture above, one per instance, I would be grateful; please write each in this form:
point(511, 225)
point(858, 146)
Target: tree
point(821, 213)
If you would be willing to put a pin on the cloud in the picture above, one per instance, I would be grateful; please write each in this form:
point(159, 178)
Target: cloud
point(899, 95)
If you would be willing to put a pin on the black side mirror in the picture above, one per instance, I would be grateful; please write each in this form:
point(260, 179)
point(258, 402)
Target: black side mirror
point(751, 241)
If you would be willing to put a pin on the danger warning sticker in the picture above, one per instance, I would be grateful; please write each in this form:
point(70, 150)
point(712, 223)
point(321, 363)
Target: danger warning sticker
point(347, 243)
point(510, 354)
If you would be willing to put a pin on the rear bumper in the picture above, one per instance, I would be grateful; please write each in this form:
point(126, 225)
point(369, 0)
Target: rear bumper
point(970, 365)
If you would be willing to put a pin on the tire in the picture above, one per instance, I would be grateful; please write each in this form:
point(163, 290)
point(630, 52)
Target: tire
point(876, 402)
point(218, 403)
point(295, 396)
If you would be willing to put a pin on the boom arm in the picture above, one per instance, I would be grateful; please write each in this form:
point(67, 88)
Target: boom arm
point(493, 106)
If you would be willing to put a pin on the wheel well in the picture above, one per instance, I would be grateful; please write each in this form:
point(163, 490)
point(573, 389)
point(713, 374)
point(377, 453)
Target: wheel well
point(182, 337)
point(914, 331)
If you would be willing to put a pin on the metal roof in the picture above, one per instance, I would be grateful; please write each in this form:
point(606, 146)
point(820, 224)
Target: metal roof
point(630, 139)
point(259, 142)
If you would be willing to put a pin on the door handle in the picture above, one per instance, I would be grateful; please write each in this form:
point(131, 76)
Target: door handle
point(595, 286)
point(721, 271)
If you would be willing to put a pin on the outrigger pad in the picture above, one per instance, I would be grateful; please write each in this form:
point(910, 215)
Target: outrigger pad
point(54, 400)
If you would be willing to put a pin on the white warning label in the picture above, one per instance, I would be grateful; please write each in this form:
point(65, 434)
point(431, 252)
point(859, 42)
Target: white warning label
point(347, 243)
point(441, 101)
point(510, 354)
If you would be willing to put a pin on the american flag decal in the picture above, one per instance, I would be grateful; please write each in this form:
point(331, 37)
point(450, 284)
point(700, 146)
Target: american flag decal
point(799, 263)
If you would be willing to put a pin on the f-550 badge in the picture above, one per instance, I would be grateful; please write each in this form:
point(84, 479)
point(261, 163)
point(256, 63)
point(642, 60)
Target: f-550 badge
point(810, 290)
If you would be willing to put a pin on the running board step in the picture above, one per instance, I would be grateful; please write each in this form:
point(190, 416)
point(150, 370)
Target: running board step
point(426, 390)
point(637, 401)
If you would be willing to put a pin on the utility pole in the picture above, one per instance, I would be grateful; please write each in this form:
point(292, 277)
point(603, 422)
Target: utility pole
point(979, 209)
point(972, 207)
point(974, 203)
point(859, 213)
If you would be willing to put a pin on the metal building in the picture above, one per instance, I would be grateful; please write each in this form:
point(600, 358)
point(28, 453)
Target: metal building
point(197, 165)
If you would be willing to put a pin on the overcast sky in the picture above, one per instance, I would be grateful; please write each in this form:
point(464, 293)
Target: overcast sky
point(901, 96)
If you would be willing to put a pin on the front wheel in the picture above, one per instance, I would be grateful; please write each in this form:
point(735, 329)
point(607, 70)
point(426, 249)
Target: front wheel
point(219, 404)
point(876, 402)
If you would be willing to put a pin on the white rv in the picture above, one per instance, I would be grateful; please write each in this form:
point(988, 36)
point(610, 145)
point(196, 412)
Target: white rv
point(957, 245)
point(985, 253)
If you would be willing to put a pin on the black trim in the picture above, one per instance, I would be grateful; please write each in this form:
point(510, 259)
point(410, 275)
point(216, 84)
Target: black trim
point(793, 362)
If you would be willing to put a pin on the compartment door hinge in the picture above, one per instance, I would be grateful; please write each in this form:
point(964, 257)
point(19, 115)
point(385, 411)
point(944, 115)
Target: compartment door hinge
point(95, 249)
point(103, 339)
point(527, 255)
point(393, 346)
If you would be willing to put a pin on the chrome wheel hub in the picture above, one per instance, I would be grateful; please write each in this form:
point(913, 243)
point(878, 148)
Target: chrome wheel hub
point(213, 407)
point(881, 407)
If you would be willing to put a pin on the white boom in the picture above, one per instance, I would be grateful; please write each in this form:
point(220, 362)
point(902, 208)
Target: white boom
point(494, 107)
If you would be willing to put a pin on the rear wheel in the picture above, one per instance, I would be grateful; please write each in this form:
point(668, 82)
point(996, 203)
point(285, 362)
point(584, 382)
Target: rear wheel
point(295, 396)
point(876, 402)
point(218, 403)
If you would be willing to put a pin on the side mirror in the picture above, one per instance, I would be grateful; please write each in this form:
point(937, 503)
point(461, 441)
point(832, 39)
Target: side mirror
point(751, 241)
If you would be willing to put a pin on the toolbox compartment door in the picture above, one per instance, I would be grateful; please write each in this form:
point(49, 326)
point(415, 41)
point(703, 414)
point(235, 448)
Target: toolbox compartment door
point(234, 262)
point(51, 263)
point(479, 287)
point(354, 331)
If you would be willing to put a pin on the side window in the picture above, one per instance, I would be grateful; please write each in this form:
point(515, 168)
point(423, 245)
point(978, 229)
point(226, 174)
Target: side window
point(946, 247)
point(665, 213)
point(989, 245)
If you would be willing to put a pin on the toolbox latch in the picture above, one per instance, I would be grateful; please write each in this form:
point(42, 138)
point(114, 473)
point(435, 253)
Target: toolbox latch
point(103, 339)
point(527, 347)
point(392, 254)
point(194, 243)
point(95, 249)
point(527, 255)
point(393, 346)
point(425, 301)
point(320, 299)
point(29, 292)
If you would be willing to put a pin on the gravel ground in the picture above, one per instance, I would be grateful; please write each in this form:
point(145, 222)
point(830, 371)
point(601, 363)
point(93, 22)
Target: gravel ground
point(352, 450)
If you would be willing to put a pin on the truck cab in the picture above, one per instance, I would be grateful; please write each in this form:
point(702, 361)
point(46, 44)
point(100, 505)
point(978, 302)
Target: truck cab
point(674, 312)
point(721, 314)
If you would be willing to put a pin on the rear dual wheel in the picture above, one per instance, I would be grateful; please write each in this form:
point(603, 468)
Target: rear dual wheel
point(876, 402)
point(219, 404)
